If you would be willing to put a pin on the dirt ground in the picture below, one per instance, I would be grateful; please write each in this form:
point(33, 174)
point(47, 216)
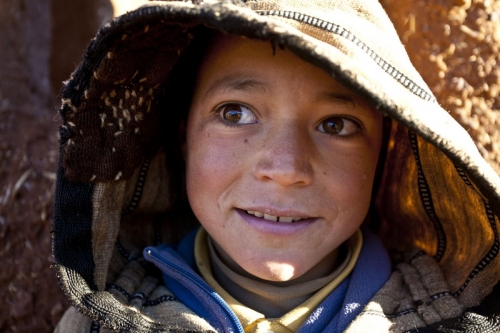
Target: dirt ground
point(453, 43)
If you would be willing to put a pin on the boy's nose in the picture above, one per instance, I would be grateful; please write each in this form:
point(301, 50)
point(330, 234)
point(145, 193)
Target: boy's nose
point(286, 158)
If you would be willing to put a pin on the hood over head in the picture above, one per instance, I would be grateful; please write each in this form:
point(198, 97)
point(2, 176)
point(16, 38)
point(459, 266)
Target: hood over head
point(120, 181)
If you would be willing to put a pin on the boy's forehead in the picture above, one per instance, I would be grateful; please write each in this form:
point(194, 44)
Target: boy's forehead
point(233, 63)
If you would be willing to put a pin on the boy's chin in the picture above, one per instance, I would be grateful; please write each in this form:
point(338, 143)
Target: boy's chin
point(281, 273)
point(290, 270)
point(278, 272)
point(266, 267)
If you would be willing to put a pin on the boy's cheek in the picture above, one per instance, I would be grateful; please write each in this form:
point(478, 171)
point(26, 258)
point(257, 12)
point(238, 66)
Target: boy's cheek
point(211, 155)
point(212, 166)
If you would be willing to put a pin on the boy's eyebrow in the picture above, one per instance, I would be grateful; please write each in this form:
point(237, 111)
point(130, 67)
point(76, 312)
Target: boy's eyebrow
point(236, 82)
point(336, 98)
point(241, 82)
point(345, 98)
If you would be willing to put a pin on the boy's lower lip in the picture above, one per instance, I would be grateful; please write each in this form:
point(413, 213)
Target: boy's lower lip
point(275, 228)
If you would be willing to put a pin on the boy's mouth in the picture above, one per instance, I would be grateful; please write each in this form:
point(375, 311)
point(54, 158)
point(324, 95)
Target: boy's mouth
point(284, 219)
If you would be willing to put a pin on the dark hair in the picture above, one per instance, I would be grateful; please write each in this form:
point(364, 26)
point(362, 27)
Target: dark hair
point(182, 78)
point(177, 94)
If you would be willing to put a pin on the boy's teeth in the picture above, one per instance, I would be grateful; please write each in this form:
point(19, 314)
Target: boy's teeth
point(285, 219)
point(270, 218)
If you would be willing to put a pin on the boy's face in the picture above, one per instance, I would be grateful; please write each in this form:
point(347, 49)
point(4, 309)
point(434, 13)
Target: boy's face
point(274, 136)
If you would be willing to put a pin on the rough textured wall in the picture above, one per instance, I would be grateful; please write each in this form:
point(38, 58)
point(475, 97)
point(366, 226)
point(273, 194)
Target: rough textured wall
point(455, 45)
point(40, 44)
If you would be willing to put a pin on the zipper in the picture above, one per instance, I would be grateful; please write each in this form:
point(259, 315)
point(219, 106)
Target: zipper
point(200, 283)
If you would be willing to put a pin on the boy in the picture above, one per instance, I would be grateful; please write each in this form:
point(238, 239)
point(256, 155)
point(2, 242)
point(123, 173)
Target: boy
point(281, 143)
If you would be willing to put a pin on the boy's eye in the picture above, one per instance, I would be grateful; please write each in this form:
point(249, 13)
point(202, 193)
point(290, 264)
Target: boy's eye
point(237, 114)
point(338, 126)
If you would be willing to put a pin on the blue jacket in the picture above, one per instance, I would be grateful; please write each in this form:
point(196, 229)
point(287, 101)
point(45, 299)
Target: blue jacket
point(334, 314)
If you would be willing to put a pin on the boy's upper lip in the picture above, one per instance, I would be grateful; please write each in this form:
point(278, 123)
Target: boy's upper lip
point(288, 212)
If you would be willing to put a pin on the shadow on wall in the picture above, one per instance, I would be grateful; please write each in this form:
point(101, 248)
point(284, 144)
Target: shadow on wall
point(41, 43)
point(74, 24)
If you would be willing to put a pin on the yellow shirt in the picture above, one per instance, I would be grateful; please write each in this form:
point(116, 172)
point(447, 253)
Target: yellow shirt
point(255, 322)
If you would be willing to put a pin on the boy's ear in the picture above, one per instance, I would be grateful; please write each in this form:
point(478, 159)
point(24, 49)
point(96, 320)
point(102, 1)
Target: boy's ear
point(182, 138)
